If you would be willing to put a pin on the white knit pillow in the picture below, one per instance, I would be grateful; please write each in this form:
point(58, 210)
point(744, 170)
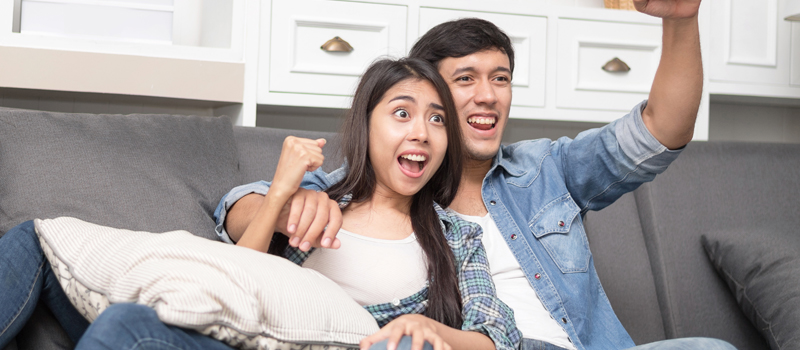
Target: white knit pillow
point(244, 298)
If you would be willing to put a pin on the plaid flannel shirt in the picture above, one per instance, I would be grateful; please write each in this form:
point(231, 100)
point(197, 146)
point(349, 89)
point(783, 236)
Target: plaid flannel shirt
point(482, 311)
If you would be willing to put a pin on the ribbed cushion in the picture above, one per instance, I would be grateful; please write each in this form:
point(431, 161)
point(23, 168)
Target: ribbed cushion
point(245, 298)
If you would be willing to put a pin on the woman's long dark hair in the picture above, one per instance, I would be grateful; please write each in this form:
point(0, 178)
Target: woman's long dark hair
point(444, 298)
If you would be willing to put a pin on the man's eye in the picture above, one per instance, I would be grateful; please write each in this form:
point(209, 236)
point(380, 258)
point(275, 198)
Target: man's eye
point(437, 119)
point(401, 113)
point(464, 78)
point(503, 79)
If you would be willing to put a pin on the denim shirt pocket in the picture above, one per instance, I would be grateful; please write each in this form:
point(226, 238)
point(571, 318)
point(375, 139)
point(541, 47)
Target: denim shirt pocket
point(559, 228)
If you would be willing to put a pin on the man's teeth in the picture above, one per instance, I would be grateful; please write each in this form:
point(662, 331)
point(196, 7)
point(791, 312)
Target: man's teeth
point(477, 120)
point(414, 157)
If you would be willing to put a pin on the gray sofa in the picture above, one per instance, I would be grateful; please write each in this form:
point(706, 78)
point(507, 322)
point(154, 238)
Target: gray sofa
point(647, 246)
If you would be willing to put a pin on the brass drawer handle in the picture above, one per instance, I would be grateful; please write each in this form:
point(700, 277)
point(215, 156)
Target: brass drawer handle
point(616, 66)
point(336, 44)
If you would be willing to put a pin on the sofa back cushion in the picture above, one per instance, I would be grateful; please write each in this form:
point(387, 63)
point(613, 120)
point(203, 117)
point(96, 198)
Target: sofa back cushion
point(140, 172)
point(623, 265)
point(714, 187)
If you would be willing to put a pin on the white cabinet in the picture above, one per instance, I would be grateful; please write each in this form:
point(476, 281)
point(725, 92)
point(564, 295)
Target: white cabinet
point(605, 65)
point(528, 35)
point(239, 56)
point(298, 62)
point(55, 49)
point(752, 49)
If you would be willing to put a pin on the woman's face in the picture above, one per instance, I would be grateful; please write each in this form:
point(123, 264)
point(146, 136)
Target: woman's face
point(407, 140)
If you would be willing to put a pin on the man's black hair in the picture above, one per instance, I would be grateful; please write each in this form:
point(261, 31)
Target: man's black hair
point(460, 38)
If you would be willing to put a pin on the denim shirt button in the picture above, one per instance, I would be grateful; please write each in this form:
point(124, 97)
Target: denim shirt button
point(492, 202)
point(561, 224)
point(513, 236)
point(564, 320)
point(537, 276)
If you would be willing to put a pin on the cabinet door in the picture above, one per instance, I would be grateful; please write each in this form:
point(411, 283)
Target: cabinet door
point(585, 80)
point(299, 64)
point(528, 35)
point(750, 43)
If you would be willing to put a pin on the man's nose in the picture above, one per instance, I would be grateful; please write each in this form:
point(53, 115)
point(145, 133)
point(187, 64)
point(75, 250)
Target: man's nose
point(485, 93)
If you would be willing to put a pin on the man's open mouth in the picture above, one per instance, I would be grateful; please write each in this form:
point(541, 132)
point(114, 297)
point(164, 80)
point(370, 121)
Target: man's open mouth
point(482, 123)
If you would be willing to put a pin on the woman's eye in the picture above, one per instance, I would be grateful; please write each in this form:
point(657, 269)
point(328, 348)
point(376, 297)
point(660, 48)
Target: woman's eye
point(437, 118)
point(401, 113)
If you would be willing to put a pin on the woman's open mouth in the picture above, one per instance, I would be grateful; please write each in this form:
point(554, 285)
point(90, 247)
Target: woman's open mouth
point(412, 164)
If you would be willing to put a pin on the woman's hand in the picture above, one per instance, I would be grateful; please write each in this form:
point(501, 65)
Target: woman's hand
point(419, 327)
point(298, 155)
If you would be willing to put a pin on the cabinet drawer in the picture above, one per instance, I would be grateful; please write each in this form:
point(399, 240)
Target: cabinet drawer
point(584, 49)
point(528, 34)
point(299, 64)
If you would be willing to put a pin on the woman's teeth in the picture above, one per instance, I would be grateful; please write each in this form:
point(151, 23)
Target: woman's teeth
point(414, 157)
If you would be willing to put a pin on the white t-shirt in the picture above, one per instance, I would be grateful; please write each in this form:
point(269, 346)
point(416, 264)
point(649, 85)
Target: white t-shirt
point(513, 288)
point(371, 270)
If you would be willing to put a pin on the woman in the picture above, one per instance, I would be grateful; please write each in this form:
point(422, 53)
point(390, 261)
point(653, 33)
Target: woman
point(403, 156)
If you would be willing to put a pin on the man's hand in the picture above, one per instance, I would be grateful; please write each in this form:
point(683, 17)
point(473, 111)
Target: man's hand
point(668, 9)
point(420, 328)
point(310, 219)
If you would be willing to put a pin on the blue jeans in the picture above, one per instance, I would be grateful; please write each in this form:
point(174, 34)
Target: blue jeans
point(669, 344)
point(133, 326)
point(686, 344)
point(26, 277)
point(404, 344)
point(137, 327)
point(533, 344)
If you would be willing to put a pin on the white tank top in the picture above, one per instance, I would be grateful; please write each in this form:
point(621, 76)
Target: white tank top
point(373, 271)
point(513, 288)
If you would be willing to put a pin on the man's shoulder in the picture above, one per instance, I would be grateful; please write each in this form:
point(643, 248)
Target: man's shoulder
point(524, 154)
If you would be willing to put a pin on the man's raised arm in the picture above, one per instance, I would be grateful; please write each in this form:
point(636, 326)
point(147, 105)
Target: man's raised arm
point(677, 88)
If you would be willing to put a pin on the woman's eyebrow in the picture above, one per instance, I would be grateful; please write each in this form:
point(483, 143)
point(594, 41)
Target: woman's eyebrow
point(436, 106)
point(403, 97)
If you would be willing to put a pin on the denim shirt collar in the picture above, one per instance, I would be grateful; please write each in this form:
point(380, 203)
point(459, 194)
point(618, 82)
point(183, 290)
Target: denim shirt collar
point(506, 161)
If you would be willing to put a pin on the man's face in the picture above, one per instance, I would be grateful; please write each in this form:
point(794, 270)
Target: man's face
point(481, 87)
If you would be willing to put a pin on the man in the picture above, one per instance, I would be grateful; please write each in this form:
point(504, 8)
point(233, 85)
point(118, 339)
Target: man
point(528, 196)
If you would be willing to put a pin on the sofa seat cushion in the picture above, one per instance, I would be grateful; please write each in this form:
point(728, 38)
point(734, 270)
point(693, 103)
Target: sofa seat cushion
point(240, 296)
point(762, 270)
point(152, 173)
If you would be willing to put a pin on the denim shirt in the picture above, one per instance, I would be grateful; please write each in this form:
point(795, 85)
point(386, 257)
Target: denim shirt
point(537, 192)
